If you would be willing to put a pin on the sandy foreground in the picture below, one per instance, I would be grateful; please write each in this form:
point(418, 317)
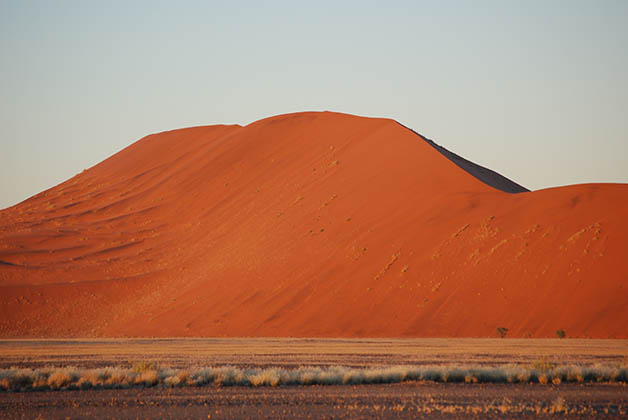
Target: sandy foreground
point(413, 399)
point(295, 352)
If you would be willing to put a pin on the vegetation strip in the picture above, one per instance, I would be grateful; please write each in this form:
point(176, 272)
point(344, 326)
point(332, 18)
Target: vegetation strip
point(147, 374)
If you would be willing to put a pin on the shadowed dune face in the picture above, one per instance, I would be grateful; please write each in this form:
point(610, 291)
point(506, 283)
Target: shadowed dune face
point(485, 175)
point(309, 224)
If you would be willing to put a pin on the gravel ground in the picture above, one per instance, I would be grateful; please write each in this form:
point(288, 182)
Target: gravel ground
point(405, 400)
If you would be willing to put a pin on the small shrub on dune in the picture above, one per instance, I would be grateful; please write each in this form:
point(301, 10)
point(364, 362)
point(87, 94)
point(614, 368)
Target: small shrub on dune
point(502, 331)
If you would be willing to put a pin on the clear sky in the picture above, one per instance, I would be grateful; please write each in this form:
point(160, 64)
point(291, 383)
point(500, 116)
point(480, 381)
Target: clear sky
point(536, 90)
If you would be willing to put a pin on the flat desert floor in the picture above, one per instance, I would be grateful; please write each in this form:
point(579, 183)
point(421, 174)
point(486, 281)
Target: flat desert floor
point(406, 399)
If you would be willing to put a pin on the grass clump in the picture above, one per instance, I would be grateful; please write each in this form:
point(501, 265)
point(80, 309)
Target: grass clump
point(542, 365)
point(143, 366)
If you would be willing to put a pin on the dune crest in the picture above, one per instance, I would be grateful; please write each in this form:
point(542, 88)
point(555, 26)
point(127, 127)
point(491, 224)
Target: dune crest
point(310, 224)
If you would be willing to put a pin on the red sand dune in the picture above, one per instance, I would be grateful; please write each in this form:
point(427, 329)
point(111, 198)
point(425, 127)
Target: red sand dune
point(310, 224)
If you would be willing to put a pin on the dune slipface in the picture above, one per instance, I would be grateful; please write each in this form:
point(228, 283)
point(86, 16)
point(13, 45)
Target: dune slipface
point(310, 224)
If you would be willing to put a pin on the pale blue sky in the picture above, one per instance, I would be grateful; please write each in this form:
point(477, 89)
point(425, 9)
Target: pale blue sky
point(536, 90)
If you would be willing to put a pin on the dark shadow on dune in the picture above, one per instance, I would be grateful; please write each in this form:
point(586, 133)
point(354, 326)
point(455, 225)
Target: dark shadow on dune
point(485, 175)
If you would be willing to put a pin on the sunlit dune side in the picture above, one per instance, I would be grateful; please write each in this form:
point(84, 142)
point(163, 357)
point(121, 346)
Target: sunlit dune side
point(310, 224)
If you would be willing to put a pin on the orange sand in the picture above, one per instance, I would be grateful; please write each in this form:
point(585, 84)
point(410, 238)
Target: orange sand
point(309, 224)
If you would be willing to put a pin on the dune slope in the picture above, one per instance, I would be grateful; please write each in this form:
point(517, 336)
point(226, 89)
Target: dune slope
point(310, 224)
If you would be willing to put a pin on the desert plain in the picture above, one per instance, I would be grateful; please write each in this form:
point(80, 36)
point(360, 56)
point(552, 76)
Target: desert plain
point(317, 378)
point(345, 230)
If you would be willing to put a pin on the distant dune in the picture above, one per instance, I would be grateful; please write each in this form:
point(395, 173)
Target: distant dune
point(311, 224)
